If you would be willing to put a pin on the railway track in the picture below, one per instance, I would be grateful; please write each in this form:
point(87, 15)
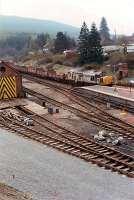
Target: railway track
point(72, 143)
point(96, 118)
point(64, 89)
point(49, 83)
point(78, 98)
point(98, 99)
point(49, 123)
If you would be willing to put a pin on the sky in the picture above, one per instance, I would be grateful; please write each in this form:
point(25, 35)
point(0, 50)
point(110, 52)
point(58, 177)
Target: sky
point(118, 13)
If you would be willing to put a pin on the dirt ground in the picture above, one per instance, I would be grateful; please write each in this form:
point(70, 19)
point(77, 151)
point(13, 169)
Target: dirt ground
point(64, 118)
point(9, 193)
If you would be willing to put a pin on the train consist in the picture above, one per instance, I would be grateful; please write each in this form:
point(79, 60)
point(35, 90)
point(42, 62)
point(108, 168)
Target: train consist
point(71, 77)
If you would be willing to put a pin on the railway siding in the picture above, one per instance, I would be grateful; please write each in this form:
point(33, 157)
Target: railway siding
point(107, 95)
point(91, 152)
point(96, 119)
point(72, 142)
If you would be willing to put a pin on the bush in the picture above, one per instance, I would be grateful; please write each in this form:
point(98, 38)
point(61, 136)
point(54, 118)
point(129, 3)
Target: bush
point(92, 66)
point(58, 59)
point(45, 60)
point(49, 60)
point(68, 63)
point(59, 62)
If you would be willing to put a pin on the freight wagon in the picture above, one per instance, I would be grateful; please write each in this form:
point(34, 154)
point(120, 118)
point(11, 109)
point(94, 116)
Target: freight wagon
point(72, 77)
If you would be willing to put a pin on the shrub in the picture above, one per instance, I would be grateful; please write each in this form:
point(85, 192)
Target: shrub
point(59, 62)
point(68, 63)
point(58, 59)
point(49, 60)
point(45, 60)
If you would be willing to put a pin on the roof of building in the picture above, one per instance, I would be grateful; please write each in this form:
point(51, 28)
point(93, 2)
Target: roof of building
point(7, 64)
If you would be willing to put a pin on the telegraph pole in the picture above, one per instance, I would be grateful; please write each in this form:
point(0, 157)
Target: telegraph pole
point(115, 35)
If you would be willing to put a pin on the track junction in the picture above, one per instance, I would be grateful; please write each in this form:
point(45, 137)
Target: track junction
point(69, 141)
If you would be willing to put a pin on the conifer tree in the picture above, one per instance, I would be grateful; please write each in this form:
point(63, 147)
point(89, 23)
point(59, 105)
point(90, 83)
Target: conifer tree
point(104, 30)
point(83, 44)
point(94, 42)
point(61, 42)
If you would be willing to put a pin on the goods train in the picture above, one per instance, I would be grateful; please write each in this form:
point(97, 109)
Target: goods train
point(71, 77)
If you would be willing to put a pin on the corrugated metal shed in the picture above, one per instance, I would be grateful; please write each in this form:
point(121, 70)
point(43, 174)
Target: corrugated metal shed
point(10, 81)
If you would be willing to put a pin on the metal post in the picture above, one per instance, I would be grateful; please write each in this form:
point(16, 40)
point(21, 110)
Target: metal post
point(131, 83)
point(130, 86)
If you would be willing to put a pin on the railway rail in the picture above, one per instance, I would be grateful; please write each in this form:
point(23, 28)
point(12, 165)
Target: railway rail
point(82, 100)
point(74, 144)
point(98, 99)
point(122, 128)
point(49, 123)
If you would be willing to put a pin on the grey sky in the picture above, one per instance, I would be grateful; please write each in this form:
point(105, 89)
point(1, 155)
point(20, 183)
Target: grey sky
point(119, 13)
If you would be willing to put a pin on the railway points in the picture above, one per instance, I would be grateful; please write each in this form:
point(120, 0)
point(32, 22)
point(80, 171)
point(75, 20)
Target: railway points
point(66, 106)
point(108, 95)
point(64, 130)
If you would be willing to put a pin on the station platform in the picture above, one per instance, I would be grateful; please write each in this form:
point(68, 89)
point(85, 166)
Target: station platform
point(119, 92)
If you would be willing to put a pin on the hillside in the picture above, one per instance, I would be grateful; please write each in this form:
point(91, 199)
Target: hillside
point(14, 24)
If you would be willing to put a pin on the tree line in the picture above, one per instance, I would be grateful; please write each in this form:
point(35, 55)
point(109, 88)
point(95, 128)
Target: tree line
point(21, 41)
point(88, 44)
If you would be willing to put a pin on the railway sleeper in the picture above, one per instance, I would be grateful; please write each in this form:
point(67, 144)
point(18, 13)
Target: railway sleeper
point(45, 140)
point(122, 171)
point(92, 157)
point(66, 147)
point(110, 165)
point(99, 159)
point(55, 143)
point(75, 138)
point(75, 151)
point(71, 149)
point(20, 130)
point(35, 138)
point(87, 143)
point(80, 140)
point(93, 145)
point(107, 153)
point(61, 145)
point(99, 148)
point(126, 160)
point(121, 167)
point(102, 162)
point(121, 158)
point(126, 164)
point(89, 157)
point(127, 169)
point(84, 154)
point(49, 142)
point(31, 135)
point(105, 161)
point(103, 151)
point(40, 138)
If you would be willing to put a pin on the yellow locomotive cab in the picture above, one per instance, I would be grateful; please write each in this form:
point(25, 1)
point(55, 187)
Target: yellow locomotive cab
point(106, 80)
